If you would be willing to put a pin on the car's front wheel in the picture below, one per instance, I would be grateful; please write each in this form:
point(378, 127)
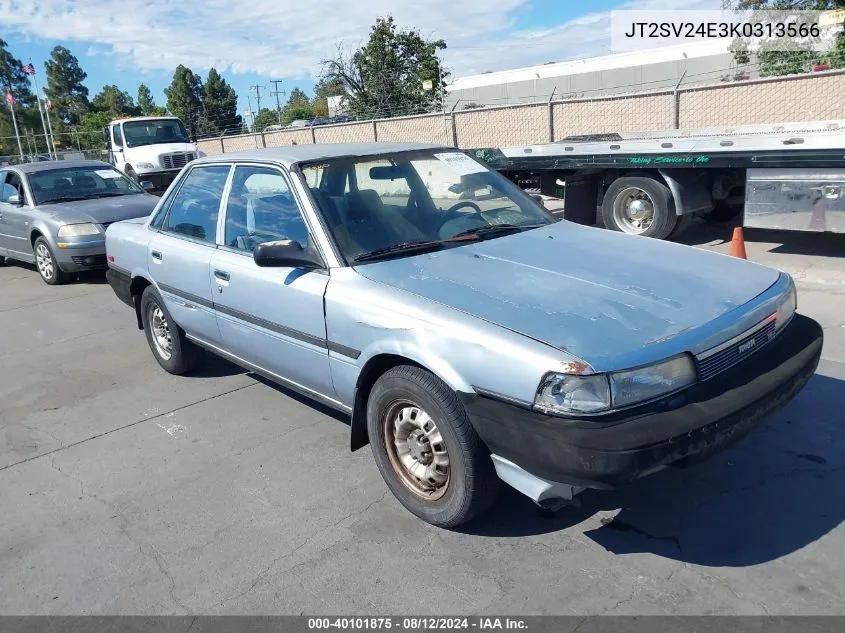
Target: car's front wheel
point(168, 343)
point(426, 449)
point(46, 263)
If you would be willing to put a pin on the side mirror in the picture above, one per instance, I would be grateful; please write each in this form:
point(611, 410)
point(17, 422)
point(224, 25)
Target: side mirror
point(285, 254)
point(15, 199)
point(147, 185)
point(539, 200)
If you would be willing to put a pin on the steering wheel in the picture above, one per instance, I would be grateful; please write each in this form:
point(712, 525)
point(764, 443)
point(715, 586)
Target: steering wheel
point(462, 204)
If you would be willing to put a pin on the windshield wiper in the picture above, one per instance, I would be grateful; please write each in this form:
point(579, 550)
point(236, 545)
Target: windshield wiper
point(498, 229)
point(106, 194)
point(421, 246)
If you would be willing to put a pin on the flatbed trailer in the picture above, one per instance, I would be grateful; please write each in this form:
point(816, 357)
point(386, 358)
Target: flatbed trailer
point(789, 176)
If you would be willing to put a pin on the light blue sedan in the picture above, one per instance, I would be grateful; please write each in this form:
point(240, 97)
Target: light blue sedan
point(471, 336)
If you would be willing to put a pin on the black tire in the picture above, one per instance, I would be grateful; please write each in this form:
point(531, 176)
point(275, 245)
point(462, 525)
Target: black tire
point(471, 482)
point(661, 200)
point(49, 272)
point(722, 212)
point(681, 225)
point(184, 356)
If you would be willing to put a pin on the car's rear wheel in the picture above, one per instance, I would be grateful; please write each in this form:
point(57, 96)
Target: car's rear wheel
point(167, 341)
point(426, 449)
point(46, 263)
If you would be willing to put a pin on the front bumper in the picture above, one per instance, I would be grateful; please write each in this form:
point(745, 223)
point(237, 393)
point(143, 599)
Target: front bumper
point(614, 449)
point(89, 254)
point(121, 283)
point(161, 179)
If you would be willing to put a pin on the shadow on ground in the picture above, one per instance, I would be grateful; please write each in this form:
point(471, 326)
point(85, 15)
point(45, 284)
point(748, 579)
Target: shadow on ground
point(788, 242)
point(93, 277)
point(778, 491)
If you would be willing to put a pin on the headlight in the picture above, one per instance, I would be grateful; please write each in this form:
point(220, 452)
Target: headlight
point(653, 381)
point(145, 165)
point(563, 393)
point(787, 308)
point(75, 230)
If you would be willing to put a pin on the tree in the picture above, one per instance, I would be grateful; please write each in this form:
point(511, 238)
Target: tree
point(184, 98)
point(89, 132)
point(146, 104)
point(13, 79)
point(64, 86)
point(324, 89)
point(800, 57)
point(298, 106)
point(397, 72)
point(264, 118)
point(221, 105)
point(114, 101)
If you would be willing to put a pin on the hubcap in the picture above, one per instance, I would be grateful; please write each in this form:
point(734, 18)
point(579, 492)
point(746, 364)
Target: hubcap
point(44, 261)
point(161, 333)
point(416, 450)
point(633, 210)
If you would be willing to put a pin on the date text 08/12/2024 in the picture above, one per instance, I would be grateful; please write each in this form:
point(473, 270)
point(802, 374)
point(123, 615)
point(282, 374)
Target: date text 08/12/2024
point(416, 623)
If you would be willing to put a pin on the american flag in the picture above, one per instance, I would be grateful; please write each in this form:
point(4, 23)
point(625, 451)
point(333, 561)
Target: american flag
point(29, 69)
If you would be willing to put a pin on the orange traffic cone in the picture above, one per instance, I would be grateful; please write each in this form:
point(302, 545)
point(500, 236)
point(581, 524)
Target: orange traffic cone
point(738, 244)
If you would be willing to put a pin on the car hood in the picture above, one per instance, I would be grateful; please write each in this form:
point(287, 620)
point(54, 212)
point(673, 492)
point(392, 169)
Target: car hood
point(597, 294)
point(103, 210)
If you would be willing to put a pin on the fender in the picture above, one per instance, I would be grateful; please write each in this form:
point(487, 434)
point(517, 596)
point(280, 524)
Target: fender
point(689, 191)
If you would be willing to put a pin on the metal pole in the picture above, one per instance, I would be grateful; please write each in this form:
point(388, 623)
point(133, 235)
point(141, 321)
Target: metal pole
point(15, 124)
point(41, 112)
point(50, 127)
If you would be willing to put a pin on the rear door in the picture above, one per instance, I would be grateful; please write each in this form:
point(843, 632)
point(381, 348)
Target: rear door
point(270, 317)
point(179, 257)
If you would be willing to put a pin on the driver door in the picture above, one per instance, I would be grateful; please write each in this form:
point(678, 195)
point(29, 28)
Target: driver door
point(14, 218)
point(271, 317)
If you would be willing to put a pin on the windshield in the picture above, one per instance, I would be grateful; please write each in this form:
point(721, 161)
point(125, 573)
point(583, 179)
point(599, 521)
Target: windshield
point(80, 183)
point(154, 132)
point(399, 203)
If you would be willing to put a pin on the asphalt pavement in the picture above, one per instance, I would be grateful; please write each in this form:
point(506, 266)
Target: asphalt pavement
point(125, 490)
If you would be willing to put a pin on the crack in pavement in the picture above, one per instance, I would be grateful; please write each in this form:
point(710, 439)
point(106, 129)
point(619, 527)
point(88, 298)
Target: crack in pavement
point(41, 303)
point(127, 426)
point(258, 578)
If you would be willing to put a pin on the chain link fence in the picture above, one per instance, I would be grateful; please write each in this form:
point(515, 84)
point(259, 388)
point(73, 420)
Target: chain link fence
point(87, 154)
point(808, 98)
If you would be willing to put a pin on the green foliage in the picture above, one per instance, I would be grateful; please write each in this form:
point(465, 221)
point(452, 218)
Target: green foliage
point(220, 103)
point(146, 104)
point(64, 86)
point(800, 58)
point(324, 89)
point(386, 77)
point(184, 98)
point(115, 102)
point(264, 118)
point(13, 78)
point(298, 106)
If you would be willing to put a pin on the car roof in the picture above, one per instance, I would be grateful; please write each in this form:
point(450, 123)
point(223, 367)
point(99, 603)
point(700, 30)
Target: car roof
point(290, 154)
point(48, 165)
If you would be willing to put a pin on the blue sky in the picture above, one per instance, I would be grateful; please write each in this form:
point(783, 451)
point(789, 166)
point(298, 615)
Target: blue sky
point(129, 42)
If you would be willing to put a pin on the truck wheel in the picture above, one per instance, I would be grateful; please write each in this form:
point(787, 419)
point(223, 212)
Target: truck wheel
point(639, 206)
point(131, 173)
point(426, 449)
point(46, 263)
point(167, 341)
point(681, 225)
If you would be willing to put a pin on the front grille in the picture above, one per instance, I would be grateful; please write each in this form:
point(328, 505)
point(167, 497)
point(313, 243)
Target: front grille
point(89, 260)
point(177, 160)
point(737, 351)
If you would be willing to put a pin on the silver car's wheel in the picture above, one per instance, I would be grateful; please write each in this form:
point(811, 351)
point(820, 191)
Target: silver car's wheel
point(46, 263)
point(416, 450)
point(161, 333)
point(633, 210)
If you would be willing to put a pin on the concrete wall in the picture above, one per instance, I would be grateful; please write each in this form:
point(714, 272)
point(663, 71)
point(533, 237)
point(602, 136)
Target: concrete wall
point(816, 97)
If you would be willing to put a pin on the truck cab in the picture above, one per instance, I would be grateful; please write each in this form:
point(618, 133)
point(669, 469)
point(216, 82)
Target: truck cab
point(150, 149)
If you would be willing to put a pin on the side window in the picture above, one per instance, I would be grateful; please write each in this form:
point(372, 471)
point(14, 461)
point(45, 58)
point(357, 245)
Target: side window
point(261, 208)
point(117, 135)
point(194, 210)
point(12, 186)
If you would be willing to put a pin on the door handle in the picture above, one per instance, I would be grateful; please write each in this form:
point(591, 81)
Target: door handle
point(222, 275)
point(156, 255)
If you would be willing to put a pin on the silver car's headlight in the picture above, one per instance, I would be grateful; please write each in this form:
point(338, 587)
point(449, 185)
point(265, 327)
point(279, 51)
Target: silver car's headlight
point(563, 393)
point(76, 230)
point(787, 307)
point(653, 381)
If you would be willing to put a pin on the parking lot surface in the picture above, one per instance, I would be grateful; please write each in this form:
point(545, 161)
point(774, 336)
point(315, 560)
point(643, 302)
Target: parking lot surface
point(125, 490)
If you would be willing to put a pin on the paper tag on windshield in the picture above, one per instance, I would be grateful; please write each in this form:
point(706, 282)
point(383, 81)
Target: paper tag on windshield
point(460, 163)
point(107, 173)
